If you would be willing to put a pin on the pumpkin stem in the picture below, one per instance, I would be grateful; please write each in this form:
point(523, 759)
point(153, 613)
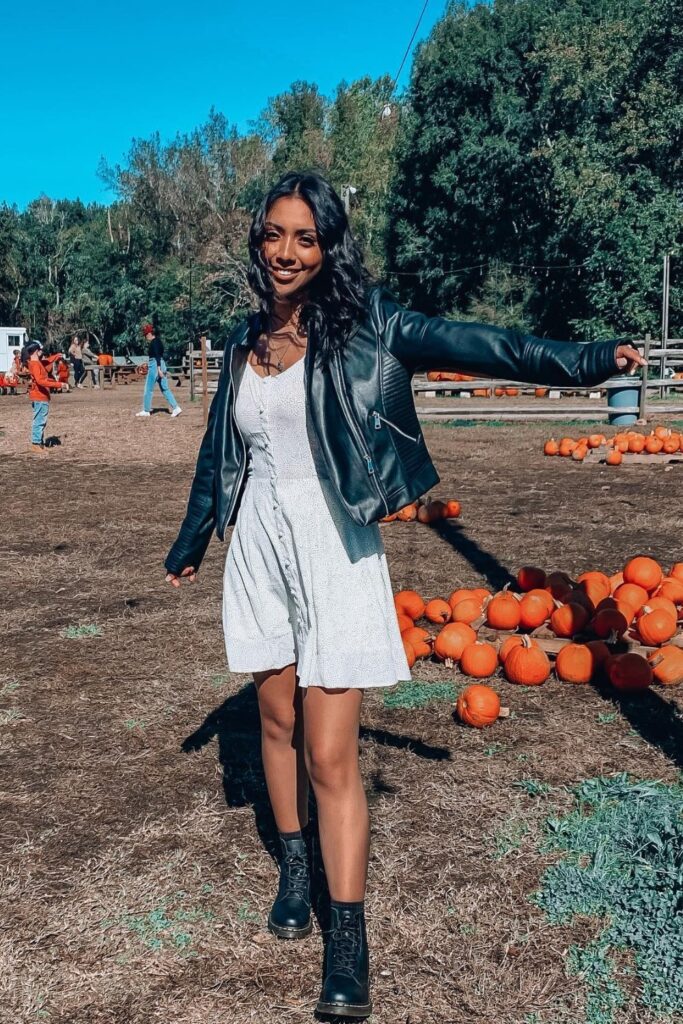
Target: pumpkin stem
point(656, 661)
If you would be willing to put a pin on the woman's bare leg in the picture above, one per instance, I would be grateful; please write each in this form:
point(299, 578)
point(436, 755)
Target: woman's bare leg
point(280, 706)
point(331, 724)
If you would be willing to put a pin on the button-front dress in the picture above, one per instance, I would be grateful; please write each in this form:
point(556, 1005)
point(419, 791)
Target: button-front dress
point(303, 583)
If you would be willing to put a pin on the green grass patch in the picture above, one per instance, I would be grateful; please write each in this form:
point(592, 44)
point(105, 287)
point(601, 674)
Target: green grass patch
point(510, 837)
point(414, 694)
point(624, 866)
point(166, 926)
point(463, 423)
point(533, 787)
point(79, 632)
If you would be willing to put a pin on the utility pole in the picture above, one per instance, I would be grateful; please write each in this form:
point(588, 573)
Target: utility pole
point(665, 316)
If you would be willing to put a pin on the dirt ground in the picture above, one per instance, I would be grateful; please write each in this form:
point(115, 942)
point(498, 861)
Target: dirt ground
point(136, 838)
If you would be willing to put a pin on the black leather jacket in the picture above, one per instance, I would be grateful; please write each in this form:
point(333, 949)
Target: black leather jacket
point(362, 411)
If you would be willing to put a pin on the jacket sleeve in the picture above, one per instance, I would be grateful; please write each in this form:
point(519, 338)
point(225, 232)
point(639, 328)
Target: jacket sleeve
point(199, 523)
point(432, 343)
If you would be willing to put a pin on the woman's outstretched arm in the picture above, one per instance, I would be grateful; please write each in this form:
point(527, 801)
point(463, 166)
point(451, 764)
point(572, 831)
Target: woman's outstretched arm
point(432, 343)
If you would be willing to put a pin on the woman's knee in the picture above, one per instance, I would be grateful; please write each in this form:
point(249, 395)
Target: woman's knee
point(330, 764)
point(278, 720)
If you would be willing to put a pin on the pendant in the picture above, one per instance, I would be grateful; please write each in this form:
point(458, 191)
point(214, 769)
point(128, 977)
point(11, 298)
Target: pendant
point(280, 366)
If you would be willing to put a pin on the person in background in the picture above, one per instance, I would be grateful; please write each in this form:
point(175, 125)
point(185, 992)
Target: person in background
point(90, 364)
point(41, 385)
point(76, 356)
point(12, 375)
point(156, 374)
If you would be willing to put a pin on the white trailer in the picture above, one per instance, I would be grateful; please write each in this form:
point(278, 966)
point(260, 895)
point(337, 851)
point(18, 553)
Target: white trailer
point(11, 338)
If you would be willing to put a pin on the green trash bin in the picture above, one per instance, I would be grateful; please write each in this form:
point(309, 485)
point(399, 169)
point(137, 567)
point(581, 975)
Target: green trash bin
point(623, 397)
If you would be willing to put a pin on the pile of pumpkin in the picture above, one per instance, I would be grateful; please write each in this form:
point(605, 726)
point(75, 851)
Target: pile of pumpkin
point(594, 614)
point(499, 392)
point(661, 440)
point(425, 511)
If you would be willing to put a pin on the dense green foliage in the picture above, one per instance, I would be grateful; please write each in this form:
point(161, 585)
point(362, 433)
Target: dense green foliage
point(547, 136)
point(531, 176)
point(624, 865)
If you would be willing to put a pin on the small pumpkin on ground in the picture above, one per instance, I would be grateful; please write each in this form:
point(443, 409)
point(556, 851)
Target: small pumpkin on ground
point(478, 706)
point(407, 513)
point(655, 626)
point(453, 509)
point(452, 640)
point(411, 657)
point(530, 577)
point(534, 610)
point(420, 639)
point(576, 663)
point(468, 610)
point(409, 602)
point(569, 619)
point(510, 642)
point(526, 664)
point(502, 611)
point(479, 660)
point(644, 572)
point(667, 665)
point(614, 458)
point(404, 621)
point(437, 610)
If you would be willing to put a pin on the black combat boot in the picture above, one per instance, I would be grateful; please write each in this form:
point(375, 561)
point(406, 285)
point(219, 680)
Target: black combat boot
point(290, 915)
point(346, 983)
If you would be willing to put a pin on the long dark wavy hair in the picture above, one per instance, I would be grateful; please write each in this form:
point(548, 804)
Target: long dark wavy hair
point(336, 298)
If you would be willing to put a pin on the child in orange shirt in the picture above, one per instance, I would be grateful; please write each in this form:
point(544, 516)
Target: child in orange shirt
point(41, 385)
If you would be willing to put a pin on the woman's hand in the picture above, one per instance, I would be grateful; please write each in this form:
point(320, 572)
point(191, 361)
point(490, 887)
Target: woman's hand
point(189, 573)
point(629, 359)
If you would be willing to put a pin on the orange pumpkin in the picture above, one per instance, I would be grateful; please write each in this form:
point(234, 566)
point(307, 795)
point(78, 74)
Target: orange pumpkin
point(660, 602)
point(409, 602)
point(404, 622)
point(411, 657)
point(530, 577)
point(575, 663)
point(636, 443)
point(510, 642)
point(451, 641)
point(551, 447)
point(478, 706)
point(653, 445)
point(615, 580)
point(614, 458)
point(631, 594)
point(482, 593)
point(544, 596)
point(468, 610)
point(629, 673)
point(408, 513)
point(596, 440)
point(569, 619)
point(437, 610)
point(580, 453)
point(567, 446)
point(676, 571)
point(499, 392)
point(452, 509)
point(540, 392)
point(526, 664)
point(671, 445)
point(661, 432)
point(420, 640)
point(656, 626)
point(644, 572)
point(595, 584)
point(671, 588)
point(502, 611)
point(533, 610)
point(458, 595)
point(512, 392)
point(479, 660)
point(667, 665)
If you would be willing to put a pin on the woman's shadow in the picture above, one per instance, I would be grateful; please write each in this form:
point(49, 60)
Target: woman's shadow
point(236, 725)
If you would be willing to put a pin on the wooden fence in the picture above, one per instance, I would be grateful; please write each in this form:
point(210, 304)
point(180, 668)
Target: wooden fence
point(560, 403)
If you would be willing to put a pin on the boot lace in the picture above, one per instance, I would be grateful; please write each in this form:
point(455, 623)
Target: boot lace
point(295, 872)
point(345, 945)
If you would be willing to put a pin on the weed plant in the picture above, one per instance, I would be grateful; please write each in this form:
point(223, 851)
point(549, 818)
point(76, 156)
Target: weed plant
point(414, 694)
point(623, 865)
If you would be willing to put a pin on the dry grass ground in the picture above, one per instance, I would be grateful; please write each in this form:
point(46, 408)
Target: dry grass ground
point(135, 858)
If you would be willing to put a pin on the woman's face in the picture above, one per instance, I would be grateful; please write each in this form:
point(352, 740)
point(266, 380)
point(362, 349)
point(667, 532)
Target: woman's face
point(290, 246)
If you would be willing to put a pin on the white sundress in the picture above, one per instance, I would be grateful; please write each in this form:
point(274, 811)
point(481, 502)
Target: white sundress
point(303, 583)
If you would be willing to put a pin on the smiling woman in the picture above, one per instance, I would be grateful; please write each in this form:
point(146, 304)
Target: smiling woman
point(312, 438)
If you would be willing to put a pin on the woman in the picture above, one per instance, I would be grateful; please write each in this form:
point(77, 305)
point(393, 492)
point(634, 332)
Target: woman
point(76, 355)
point(42, 383)
point(312, 438)
point(90, 365)
point(156, 374)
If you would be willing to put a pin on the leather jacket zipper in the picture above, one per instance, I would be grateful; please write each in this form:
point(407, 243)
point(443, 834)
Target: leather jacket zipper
point(379, 419)
point(355, 430)
point(226, 517)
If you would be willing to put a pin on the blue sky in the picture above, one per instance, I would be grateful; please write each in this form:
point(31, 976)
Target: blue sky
point(89, 77)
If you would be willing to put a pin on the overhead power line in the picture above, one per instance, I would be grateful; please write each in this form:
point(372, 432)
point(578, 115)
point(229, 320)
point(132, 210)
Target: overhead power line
point(409, 46)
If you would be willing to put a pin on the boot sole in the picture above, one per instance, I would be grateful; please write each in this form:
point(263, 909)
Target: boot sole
point(290, 933)
point(345, 1009)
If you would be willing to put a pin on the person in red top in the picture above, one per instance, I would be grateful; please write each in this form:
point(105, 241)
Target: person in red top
point(41, 385)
